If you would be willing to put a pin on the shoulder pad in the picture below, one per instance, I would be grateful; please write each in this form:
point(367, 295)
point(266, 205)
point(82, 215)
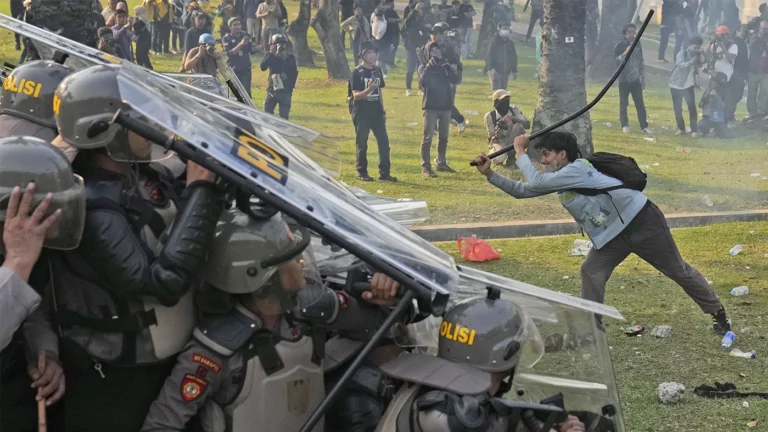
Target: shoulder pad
point(322, 305)
point(225, 334)
point(101, 187)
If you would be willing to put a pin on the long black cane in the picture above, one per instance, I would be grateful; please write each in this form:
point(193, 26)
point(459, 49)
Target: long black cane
point(589, 106)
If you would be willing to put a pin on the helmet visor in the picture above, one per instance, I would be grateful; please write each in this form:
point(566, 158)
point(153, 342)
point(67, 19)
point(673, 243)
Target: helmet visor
point(130, 147)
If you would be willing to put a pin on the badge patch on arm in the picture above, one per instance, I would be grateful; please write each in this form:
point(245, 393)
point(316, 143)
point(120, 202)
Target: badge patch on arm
point(192, 387)
point(207, 362)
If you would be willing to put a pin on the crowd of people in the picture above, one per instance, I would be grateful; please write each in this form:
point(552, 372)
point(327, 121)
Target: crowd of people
point(734, 59)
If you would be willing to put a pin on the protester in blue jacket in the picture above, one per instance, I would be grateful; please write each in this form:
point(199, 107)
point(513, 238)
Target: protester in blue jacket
point(619, 222)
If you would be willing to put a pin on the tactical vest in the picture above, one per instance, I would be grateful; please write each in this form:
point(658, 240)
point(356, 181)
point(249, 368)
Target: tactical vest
point(282, 383)
point(17, 126)
point(117, 331)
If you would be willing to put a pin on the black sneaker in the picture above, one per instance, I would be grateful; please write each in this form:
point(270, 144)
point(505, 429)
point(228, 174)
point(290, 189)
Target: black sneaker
point(388, 178)
point(720, 322)
point(427, 172)
point(365, 177)
point(445, 168)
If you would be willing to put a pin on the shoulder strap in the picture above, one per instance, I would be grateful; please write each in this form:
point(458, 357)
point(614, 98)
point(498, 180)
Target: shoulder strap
point(225, 334)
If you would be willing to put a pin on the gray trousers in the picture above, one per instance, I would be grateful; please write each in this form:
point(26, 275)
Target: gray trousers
point(440, 120)
point(648, 237)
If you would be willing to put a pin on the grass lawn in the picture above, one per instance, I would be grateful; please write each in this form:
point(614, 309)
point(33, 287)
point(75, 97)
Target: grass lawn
point(677, 181)
point(692, 355)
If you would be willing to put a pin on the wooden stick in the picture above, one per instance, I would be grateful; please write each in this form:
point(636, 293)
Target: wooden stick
point(42, 423)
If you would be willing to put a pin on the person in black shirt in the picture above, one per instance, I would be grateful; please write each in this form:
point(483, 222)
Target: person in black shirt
point(367, 108)
point(238, 46)
point(192, 36)
point(468, 24)
point(392, 35)
point(416, 35)
point(143, 37)
point(347, 10)
point(739, 77)
point(282, 76)
point(450, 52)
point(454, 18)
point(670, 10)
point(436, 79)
point(501, 60)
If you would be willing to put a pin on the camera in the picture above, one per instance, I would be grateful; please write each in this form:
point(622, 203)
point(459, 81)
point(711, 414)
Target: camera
point(280, 48)
point(211, 49)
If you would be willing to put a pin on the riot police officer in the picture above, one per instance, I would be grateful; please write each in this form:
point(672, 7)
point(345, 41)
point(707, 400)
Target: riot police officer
point(123, 300)
point(461, 389)
point(26, 101)
point(50, 215)
point(255, 364)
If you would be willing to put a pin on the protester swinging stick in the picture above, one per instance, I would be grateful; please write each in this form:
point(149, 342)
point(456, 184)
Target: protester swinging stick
point(589, 106)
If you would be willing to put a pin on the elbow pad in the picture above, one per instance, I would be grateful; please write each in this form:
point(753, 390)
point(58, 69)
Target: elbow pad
point(320, 306)
point(194, 227)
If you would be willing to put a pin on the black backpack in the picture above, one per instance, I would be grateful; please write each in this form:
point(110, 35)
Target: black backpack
point(622, 168)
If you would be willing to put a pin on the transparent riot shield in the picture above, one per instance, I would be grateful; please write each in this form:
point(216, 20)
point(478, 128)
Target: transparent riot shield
point(576, 360)
point(315, 200)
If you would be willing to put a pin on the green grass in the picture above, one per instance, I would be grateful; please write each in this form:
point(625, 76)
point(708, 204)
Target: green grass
point(718, 169)
point(692, 355)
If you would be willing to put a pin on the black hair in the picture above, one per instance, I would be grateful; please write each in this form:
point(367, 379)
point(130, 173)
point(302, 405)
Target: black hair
point(695, 40)
point(121, 12)
point(627, 27)
point(762, 7)
point(560, 141)
point(104, 31)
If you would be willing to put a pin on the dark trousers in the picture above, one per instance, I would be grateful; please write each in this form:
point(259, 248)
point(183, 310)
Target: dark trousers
point(648, 237)
point(244, 75)
point(411, 63)
point(356, 50)
point(634, 88)
point(283, 98)
point(536, 15)
point(499, 81)
point(118, 402)
point(440, 121)
point(177, 38)
point(677, 104)
point(161, 35)
point(735, 92)
point(364, 124)
point(666, 30)
point(142, 58)
point(706, 126)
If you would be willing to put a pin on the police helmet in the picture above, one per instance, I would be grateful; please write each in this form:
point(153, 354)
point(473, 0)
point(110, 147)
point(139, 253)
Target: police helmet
point(278, 38)
point(246, 252)
point(26, 159)
point(206, 39)
point(85, 105)
point(487, 333)
point(440, 27)
point(28, 91)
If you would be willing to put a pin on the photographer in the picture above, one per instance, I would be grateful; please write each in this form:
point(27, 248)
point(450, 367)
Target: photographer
point(203, 58)
point(282, 76)
point(721, 54)
point(436, 79)
point(367, 109)
point(450, 49)
point(238, 46)
point(501, 60)
point(682, 83)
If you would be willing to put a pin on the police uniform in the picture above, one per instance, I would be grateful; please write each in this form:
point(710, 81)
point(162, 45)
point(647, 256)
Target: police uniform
point(25, 159)
point(235, 373)
point(453, 391)
point(122, 298)
point(26, 101)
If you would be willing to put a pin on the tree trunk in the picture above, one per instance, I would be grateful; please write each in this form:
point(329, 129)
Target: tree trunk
point(562, 89)
point(298, 30)
point(613, 17)
point(326, 25)
point(487, 30)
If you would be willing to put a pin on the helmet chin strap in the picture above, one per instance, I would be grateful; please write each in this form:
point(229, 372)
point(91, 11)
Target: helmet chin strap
point(506, 384)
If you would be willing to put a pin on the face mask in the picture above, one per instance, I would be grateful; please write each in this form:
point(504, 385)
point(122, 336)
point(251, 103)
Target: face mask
point(553, 167)
point(502, 106)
